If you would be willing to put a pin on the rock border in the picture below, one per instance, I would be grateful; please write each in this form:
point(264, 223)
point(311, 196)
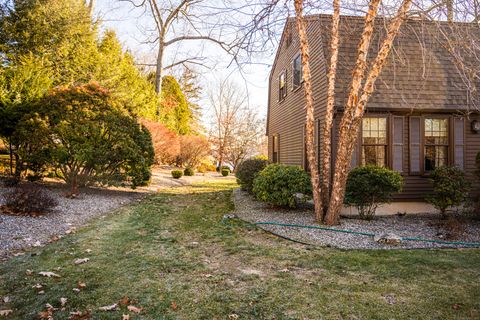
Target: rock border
point(387, 230)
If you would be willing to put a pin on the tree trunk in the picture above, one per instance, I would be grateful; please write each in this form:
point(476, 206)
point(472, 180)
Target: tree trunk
point(326, 145)
point(353, 116)
point(10, 149)
point(159, 71)
point(449, 10)
point(310, 121)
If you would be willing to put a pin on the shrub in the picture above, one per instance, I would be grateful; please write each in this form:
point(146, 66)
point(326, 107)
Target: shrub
point(277, 184)
point(192, 150)
point(166, 143)
point(177, 174)
point(368, 187)
point(9, 181)
point(205, 166)
point(225, 172)
point(247, 170)
point(29, 199)
point(218, 169)
point(188, 172)
point(88, 135)
point(450, 188)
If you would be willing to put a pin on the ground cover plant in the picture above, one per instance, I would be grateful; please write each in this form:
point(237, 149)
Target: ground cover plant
point(177, 261)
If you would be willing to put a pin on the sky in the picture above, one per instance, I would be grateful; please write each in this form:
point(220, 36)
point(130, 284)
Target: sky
point(133, 28)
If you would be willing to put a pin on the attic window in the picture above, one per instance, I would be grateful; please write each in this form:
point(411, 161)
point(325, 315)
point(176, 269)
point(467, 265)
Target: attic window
point(297, 71)
point(282, 85)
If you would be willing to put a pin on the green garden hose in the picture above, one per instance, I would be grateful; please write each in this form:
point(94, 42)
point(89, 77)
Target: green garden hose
point(467, 244)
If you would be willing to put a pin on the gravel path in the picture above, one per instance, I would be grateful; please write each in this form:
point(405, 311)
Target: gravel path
point(426, 226)
point(20, 232)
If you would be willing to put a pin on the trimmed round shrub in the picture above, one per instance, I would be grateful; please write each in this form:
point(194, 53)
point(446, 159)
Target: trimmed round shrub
point(218, 169)
point(225, 172)
point(177, 174)
point(368, 187)
point(248, 170)
point(450, 188)
point(29, 199)
point(188, 172)
point(278, 184)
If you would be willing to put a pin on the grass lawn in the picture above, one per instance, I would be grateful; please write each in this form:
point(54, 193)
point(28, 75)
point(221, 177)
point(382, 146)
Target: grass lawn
point(172, 255)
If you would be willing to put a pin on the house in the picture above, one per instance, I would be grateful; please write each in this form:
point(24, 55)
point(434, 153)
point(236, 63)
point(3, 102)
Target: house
point(421, 115)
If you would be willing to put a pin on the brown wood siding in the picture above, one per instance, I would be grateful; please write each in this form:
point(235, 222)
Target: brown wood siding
point(287, 117)
point(417, 187)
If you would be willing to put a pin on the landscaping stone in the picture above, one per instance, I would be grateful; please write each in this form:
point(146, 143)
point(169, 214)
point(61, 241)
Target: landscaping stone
point(426, 226)
point(388, 238)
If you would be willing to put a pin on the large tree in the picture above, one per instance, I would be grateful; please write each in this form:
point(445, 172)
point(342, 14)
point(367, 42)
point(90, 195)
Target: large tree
point(88, 137)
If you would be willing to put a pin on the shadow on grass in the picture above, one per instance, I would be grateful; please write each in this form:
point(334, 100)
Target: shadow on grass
point(175, 256)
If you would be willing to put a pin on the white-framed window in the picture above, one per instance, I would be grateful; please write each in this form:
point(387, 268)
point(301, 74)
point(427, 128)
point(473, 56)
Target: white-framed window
point(297, 72)
point(282, 85)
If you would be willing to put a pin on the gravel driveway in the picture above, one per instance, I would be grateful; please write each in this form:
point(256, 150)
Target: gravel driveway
point(425, 226)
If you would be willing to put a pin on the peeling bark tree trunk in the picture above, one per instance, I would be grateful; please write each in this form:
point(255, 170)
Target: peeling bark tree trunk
point(310, 121)
point(326, 145)
point(354, 111)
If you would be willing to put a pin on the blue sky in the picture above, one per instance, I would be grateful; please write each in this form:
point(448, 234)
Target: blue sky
point(131, 26)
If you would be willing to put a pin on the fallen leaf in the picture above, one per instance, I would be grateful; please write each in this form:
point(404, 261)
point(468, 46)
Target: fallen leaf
point(76, 289)
point(37, 244)
point(456, 306)
point(37, 286)
point(124, 301)
point(18, 254)
point(81, 261)
point(49, 306)
point(208, 275)
point(125, 317)
point(29, 272)
point(88, 250)
point(81, 285)
point(109, 308)
point(233, 316)
point(63, 301)
point(390, 299)
point(78, 315)
point(6, 299)
point(41, 292)
point(134, 309)
point(174, 305)
point(46, 315)
point(5, 312)
point(49, 274)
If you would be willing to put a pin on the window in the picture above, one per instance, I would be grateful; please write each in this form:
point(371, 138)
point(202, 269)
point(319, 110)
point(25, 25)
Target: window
point(275, 149)
point(282, 85)
point(297, 71)
point(374, 141)
point(435, 143)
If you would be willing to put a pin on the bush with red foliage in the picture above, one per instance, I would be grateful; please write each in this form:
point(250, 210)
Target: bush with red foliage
point(166, 143)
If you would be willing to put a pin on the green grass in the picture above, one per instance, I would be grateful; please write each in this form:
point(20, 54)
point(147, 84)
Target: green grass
point(173, 249)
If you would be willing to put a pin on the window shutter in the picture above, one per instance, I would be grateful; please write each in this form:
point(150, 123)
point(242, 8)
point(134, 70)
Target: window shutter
point(397, 156)
point(415, 139)
point(458, 142)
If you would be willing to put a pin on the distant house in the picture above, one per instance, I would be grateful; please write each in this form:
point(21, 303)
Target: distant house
point(421, 115)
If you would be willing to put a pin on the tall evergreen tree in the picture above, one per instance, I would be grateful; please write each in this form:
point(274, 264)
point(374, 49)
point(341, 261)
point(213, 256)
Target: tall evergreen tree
point(174, 111)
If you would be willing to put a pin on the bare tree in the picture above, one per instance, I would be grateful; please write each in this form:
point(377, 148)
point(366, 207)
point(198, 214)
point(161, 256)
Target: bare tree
point(248, 131)
point(175, 22)
point(355, 107)
point(310, 120)
point(326, 145)
point(227, 101)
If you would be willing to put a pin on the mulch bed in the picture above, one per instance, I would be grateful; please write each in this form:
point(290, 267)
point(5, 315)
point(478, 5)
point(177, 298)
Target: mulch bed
point(425, 226)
